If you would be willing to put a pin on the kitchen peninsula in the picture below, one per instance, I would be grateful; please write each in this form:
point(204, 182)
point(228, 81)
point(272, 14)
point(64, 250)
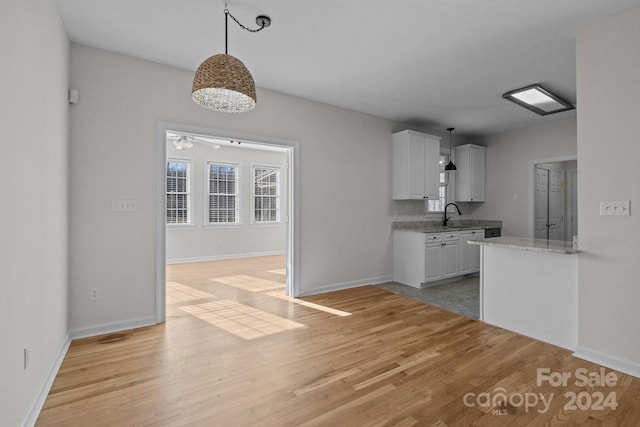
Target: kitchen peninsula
point(530, 286)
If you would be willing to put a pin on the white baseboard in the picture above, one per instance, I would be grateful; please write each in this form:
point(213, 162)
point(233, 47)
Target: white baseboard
point(107, 328)
point(36, 407)
point(345, 285)
point(221, 257)
point(623, 366)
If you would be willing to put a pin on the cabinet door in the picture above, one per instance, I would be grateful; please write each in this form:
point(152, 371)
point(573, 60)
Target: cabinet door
point(450, 259)
point(431, 168)
point(416, 159)
point(470, 179)
point(474, 258)
point(477, 170)
point(464, 265)
point(433, 262)
point(416, 167)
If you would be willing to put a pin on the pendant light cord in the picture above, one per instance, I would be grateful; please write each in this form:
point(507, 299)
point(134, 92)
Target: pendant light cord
point(251, 30)
point(262, 20)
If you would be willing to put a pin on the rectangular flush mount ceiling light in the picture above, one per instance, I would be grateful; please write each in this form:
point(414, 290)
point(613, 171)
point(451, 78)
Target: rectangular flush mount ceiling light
point(538, 100)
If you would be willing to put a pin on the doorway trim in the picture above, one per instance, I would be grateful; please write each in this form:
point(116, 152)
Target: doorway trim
point(292, 219)
point(532, 185)
point(572, 210)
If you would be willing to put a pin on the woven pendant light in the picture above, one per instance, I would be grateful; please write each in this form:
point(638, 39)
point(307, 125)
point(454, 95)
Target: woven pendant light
point(222, 82)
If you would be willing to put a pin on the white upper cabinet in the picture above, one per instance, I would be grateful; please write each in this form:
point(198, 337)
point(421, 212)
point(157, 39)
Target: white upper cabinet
point(470, 162)
point(416, 168)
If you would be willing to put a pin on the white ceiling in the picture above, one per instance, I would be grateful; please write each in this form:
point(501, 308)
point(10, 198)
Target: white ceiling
point(437, 64)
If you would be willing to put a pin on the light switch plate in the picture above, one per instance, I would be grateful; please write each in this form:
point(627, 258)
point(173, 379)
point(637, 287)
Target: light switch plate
point(618, 208)
point(124, 205)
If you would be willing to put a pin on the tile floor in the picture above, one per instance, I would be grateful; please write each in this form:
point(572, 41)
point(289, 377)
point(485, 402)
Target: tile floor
point(462, 297)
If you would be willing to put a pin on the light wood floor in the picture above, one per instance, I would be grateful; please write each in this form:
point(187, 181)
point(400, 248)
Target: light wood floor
point(236, 352)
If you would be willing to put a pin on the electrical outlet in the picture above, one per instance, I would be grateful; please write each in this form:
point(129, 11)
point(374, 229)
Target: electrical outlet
point(26, 357)
point(94, 294)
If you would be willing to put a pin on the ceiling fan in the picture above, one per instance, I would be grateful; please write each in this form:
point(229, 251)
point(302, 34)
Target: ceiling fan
point(184, 142)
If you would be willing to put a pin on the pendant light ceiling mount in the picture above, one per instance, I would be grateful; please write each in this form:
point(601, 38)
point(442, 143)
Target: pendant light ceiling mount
point(450, 166)
point(222, 82)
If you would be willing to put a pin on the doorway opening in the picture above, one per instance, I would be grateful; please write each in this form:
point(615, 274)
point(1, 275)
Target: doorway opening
point(554, 213)
point(225, 202)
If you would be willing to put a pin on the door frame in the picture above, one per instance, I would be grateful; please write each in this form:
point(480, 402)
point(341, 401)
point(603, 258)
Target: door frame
point(562, 207)
point(536, 205)
point(532, 185)
point(571, 210)
point(292, 211)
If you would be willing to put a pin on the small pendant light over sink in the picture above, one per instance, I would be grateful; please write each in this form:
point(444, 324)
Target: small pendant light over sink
point(450, 166)
point(222, 82)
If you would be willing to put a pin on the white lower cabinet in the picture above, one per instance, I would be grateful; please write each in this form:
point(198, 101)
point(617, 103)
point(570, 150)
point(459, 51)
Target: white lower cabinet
point(420, 258)
point(441, 256)
point(469, 254)
point(408, 257)
point(433, 257)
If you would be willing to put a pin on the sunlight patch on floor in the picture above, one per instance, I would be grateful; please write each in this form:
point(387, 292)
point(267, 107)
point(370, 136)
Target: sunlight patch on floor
point(282, 295)
point(177, 292)
point(241, 320)
point(249, 283)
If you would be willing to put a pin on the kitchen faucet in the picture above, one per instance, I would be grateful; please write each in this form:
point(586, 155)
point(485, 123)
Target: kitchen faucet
point(444, 217)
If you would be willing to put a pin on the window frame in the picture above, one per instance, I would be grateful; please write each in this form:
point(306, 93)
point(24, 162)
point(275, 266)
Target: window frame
point(278, 195)
point(449, 181)
point(189, 177)
point(208, 194)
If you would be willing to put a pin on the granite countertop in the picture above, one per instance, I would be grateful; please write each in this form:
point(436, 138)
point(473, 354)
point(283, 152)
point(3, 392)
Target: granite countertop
point(528, 244)
point(454, 225)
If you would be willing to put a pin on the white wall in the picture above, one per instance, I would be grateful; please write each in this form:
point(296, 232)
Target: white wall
point(608, 85)
point(197, 241)
point(508, 180)
point(34, 151)
point(345, 182)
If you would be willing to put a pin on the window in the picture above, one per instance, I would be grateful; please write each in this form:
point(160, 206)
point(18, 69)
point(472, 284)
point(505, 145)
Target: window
point(438, 205)
point(178, 192)
point(223, 194)
point(266, 194)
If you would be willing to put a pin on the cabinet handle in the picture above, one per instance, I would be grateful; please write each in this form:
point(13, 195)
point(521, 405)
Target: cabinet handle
point(425, 197)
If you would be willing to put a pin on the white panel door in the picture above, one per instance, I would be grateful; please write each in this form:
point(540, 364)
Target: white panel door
point(541, 204)
point(556, 205)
